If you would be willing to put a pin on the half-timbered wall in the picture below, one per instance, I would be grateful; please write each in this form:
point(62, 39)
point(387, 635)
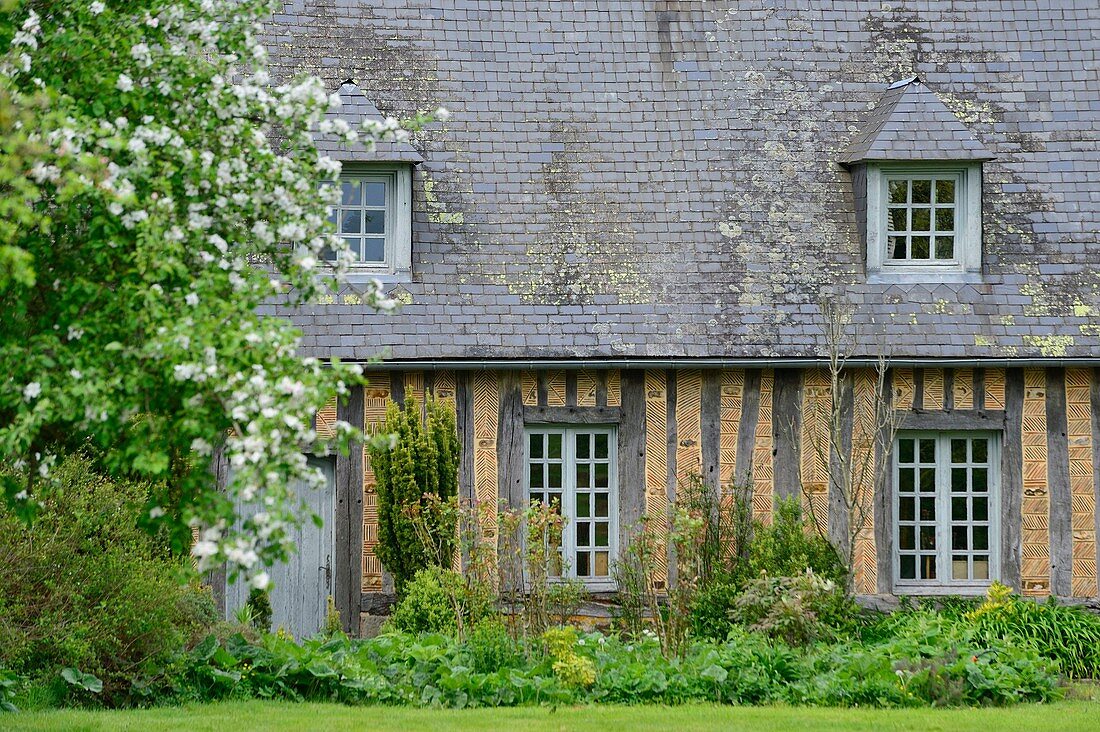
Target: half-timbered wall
point(768, 430)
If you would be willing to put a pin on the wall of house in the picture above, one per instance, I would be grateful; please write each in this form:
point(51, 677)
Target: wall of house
point(761, 425)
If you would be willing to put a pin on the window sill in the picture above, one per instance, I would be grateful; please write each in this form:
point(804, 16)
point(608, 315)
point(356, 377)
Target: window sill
point(365, 276)
point(908, 276)
point(962, 590)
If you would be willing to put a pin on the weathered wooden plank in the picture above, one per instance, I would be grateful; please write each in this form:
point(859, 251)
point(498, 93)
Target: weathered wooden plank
point(1012, 478)
point(884, 501)
point(838, 512)
point(543, 388)
point(215, 579)
point(464, 421)
point(510, 441)
point(786, 430)
point(948, 389)
point(632, 442)
point(746, 429)
point(573, 415)
point(349, 519)
point(710, 411)
point(979, 389)
point(397, 387)
point(1094, 398)
point(570, 388)
point(1060, 526)
point(601, 388)
point(918, 389)
point(968, 420)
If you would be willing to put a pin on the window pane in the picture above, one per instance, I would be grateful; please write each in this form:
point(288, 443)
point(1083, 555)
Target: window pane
point(909, 567)
point(601, 505)
point(374, 250)
point(905, 451)
point(979, 479)
point(584, 447)
point(980, 507)
point(928, 566)
point(906, 482)
point(959, 567)
point(535, 441)
point(555, 502)
point(928, 480)
point(897, 247)
point(602, 471)
point(981, 567)
point(554, 475)
point(600, 570)
point(351, 222)
point(584, 505)
point(601, 446)
point(355, 246)
point(928, 537)
point(375, 194)
point(958, 509)
point(584, 475)
point(376, 222)
point(898, 191)
point(905, 509)
point(958, 451)
point(958, 479)
point(958, 538)
point(920, 247)
point(907, 537)
point(350, 193)
point(981, 537)
point(554, 441)
point(922, 219)
point(945, 247)
point(945, 191)
point(897, 219)
point(980, 449)
point(602, 534)
point(582, 564)
point(928, 509)
point(537, 475)
point(922, 191)
point(928, 451)
point(584, 533)
point(945, 219)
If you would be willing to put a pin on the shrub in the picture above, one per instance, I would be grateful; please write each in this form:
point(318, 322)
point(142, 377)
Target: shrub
point(1068, 635)
point(570, 668)
point(790, 546)
point(422, 462)
point(83, 587)
point(797, 610)
point(434, 601)
point(259, 610)
point(491, 647)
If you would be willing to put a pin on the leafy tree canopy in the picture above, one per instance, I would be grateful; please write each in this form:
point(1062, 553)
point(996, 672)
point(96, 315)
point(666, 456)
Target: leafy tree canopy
point(156, 187)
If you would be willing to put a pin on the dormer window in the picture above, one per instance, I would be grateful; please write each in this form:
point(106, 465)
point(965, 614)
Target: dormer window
point(374, 213)
point(917, 175)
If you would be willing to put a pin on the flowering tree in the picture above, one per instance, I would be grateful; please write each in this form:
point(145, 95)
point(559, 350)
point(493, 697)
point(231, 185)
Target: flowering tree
point(155, 189)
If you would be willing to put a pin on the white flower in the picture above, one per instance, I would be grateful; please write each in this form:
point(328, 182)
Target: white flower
point(76, 374)
point(260, 581)
point(307, 262)
point(442, 114)
point(201, 446)
point(32, 390)
point(156, 512)
point(75, 333)
point(192, 299)
point(205, 548)
point(96, 8)
point(125, 83)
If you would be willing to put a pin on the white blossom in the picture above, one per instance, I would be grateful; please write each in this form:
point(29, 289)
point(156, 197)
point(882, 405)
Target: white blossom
point(31, 391)
point(125, 83)
point(96, 7)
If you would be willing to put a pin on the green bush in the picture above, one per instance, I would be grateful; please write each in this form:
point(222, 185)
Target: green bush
point(416, 479)
point(429, 603)
point(491, 647)
point(1068, 635)
point(83, 587)
point(797, 610)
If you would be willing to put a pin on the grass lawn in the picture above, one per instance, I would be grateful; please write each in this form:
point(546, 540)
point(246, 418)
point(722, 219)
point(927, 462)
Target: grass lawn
point(224, 717)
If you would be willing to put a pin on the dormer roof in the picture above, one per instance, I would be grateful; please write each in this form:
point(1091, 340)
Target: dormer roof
point(356, 108)
point(910, 123)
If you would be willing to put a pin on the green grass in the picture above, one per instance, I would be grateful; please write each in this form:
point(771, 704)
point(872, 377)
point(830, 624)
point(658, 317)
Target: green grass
point(226, 717)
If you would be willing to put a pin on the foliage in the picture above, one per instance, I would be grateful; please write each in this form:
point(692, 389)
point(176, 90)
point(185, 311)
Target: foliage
point(727, 526)
point(429, 603)
point(1069, 635)
point(157, 186)
point(333, 622)
point(9, 687)
point(258, 608)
point(565, 598)
point(925, 664)
point(797, 610)
point(84, 587)
point(417, 476)
point(491, 647)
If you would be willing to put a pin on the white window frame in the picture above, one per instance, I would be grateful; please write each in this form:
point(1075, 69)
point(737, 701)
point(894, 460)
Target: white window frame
point(397, 262)
point(569, 495)
point(967, 262)
point(944, 584)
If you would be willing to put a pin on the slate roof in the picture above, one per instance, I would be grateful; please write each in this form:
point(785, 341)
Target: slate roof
point(911, 123)
point(663, 178)
point(354, 109)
